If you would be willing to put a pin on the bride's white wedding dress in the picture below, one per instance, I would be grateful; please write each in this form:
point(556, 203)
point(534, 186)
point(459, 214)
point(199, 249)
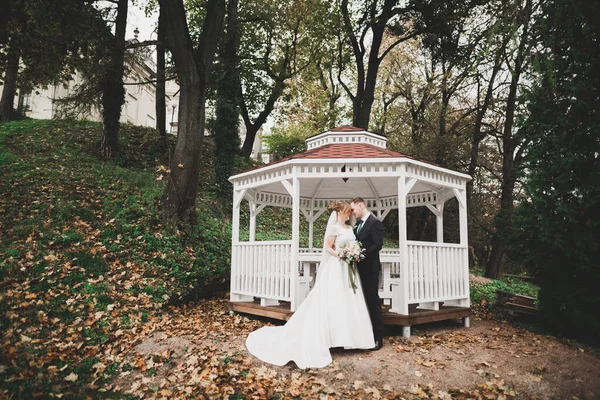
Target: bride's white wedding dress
point(332, 315)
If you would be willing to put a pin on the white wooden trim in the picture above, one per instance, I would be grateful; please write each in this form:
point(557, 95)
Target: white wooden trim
point(464, 240)
point(433, 209)
point(409, 185)
point(235, 238)
point(288, 186)
point(458, 194)
point(238, 196)
point(400, 292)
point(384, 203)
point(364, 162)
point(439, 222)
point(373, 189)
point(253, 214)
point(335, 137)
point(295, 301)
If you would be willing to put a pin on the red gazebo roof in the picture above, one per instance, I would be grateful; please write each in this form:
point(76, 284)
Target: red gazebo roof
point(346, 150)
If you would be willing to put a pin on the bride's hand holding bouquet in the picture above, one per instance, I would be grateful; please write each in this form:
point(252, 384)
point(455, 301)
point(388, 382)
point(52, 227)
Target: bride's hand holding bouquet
point(351, 253)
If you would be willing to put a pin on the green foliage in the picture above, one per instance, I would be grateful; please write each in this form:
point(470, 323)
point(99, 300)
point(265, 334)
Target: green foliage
point(559, 222)
point(286, 143)
point(53, 38)
point(481, 292)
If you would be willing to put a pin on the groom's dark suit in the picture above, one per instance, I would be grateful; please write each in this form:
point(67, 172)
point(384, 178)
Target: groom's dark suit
point(371, 237)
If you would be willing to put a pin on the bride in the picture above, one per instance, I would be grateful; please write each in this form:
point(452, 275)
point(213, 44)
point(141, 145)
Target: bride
point(332, 315)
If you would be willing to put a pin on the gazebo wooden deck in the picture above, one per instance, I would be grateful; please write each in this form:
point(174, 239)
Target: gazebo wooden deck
point(420, 281)
point(415, 315)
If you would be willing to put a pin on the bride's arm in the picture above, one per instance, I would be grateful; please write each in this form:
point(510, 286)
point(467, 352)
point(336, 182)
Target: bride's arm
point(329, 242)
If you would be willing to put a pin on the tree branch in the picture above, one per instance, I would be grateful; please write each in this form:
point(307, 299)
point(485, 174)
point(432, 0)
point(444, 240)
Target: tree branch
point(145, 43)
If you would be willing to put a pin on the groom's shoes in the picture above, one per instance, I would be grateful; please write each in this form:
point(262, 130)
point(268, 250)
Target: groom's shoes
point(378, 345)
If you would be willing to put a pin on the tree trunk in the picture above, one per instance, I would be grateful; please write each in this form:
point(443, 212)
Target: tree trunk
point(495, 267)
point(362, 101)
point(193, 67)
point(253, 128)
point(113, 91)
point(10, 83)
point(226, 132)
point(477, 135)
point(161, 106)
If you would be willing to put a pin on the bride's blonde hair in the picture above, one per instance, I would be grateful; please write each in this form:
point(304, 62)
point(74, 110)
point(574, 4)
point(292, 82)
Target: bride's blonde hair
point(341, 207)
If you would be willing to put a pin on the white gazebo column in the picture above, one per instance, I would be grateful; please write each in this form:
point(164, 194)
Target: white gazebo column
point(439, 222)
point(311, 227)
point(236, 261)
point(400, 288)
point(294, 289)
point(461, 196)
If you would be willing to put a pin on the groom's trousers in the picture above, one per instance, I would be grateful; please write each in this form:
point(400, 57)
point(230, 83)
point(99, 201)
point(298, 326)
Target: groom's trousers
point(369, 278)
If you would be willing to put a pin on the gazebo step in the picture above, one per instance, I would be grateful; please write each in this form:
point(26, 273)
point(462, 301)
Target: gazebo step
point(281, 311)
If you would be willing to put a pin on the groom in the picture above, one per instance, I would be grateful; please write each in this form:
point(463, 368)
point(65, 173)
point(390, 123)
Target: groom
point(369, 231)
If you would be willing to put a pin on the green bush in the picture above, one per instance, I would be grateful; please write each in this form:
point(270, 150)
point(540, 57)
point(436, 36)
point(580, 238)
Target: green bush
point(282, 145)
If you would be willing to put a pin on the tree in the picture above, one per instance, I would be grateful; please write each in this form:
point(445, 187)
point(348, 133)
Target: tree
point(226, 125)
point(279, 41)
point(365, 34)
point(111, 85)
point(161, 117)
point(513, 140)
point(193, 66)
point(42, 42)
point(557, 224)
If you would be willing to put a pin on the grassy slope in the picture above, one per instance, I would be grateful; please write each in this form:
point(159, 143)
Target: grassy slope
point(84, 255)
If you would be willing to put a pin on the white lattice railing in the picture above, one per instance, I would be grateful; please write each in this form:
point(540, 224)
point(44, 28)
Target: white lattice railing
point(262, 269)
point(437, 272)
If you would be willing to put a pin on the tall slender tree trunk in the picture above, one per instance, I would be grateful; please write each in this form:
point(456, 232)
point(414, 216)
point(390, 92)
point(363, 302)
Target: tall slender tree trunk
point(252, 128)
point(495, 267)
point(193, 67)
point(113, 91)
point(10, 82)
point(227, 111)
point(161, 106)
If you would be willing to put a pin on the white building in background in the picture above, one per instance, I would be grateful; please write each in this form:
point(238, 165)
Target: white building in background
point(140, 99)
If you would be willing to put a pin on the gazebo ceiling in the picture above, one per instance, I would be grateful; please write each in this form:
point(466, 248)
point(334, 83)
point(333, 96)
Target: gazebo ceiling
point(337, 188)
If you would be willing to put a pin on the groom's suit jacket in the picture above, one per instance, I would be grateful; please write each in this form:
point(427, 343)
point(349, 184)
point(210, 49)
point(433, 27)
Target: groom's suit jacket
point(371, 237)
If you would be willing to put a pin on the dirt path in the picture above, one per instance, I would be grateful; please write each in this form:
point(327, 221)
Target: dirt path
point(200, 353)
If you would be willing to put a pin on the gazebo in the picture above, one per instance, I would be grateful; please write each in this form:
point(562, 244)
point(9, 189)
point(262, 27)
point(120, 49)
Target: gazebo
point(420, 281)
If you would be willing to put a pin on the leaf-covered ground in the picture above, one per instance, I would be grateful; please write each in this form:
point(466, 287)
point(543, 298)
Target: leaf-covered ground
point(88, 273)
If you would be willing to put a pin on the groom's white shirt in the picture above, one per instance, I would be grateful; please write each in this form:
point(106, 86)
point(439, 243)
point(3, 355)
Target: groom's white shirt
point(364, 218)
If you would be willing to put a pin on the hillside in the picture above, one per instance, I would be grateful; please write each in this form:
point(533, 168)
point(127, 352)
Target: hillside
point(84, 252)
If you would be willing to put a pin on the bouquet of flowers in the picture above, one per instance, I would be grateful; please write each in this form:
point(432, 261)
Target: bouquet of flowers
point(351, 253)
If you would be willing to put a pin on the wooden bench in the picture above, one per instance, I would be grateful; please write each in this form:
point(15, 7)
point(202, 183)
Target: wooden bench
point(517, 305)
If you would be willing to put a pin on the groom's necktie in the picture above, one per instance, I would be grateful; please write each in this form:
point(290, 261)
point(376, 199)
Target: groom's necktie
point(360, 225)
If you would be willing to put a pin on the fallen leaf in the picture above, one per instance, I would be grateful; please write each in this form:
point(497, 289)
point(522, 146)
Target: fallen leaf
point(72, 377)
point(358, 384)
